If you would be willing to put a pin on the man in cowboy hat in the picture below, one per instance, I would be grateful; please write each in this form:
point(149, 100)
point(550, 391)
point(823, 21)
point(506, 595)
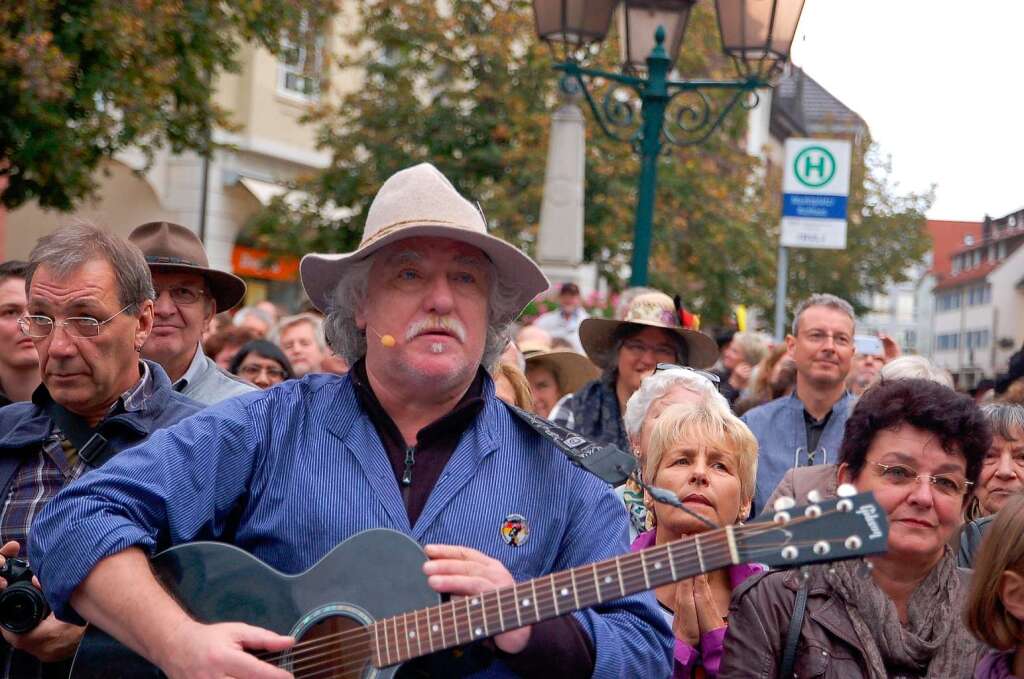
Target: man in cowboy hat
point(188, 294)
point(88, 312)
point(412, 439)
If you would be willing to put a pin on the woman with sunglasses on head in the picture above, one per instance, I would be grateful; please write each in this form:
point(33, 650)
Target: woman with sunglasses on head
point(668, 385)
point(262, 363)
point(627, 351)
point(918, 446)
point(707, 457)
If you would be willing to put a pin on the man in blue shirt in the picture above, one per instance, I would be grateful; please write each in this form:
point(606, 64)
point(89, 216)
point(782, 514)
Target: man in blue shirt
point(413, 439)
point(806, 427)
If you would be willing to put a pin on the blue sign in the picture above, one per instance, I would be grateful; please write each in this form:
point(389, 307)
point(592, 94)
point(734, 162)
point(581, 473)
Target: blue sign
point(813, 206)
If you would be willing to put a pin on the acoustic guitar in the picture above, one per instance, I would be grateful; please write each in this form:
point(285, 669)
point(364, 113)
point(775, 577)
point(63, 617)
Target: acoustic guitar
point(365, 608)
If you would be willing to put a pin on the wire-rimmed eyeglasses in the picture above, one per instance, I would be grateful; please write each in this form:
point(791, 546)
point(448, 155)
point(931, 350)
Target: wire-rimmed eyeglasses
point(40, 327)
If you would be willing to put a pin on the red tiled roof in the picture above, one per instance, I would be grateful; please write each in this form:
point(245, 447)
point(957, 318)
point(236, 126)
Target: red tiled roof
point(948, 238)
point(968, 276)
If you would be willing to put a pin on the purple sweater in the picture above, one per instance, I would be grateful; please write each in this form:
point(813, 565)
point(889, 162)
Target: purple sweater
point(995, 665)
point(709, 653)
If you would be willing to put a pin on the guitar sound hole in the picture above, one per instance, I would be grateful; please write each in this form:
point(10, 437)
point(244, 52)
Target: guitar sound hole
point(336, 647)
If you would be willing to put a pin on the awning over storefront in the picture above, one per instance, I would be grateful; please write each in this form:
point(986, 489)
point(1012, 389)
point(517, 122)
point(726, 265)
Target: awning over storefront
point(265, 192)
point(255, 263)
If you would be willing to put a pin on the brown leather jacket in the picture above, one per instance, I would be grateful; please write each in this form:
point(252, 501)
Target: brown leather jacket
point(759, 619)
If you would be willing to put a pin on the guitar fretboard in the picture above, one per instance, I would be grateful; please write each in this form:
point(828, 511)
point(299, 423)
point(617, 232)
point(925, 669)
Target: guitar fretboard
point(424, 631)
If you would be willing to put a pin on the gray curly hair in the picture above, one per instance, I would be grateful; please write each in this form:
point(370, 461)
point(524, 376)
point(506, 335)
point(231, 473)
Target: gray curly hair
point(349, 342)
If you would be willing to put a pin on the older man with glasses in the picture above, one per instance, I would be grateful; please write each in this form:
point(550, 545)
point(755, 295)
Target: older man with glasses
point(188, 294)
point(89, 312)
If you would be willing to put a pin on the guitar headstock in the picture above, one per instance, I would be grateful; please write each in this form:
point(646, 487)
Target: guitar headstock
point(829, 530)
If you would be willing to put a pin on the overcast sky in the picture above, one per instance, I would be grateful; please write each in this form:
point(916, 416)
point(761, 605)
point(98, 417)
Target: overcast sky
point(941, 85)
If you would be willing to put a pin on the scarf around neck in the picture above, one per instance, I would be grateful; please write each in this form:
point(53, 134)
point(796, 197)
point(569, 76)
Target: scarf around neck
point(935, 643)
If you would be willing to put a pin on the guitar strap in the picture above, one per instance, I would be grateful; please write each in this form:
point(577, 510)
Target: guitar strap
point(608, 462)
point(89, 442)
point(796, 621)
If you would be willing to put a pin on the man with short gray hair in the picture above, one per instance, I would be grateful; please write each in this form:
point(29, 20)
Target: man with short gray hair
point(413, 440)
point(89, 312)
point(806, 427)
point(301, 337)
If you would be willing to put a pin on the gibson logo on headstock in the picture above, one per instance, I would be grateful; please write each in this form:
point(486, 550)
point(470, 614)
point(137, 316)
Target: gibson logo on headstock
point(870, 514)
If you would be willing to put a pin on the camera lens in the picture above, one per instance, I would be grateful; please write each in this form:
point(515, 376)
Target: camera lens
point(22, 607)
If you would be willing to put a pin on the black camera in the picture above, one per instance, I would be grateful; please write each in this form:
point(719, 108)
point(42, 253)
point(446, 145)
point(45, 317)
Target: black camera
point(22, 606)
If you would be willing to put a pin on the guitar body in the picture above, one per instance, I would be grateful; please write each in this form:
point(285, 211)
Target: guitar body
point(372, 575)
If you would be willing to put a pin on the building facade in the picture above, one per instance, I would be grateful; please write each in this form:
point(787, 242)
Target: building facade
point(268, 148)
point(977, 308)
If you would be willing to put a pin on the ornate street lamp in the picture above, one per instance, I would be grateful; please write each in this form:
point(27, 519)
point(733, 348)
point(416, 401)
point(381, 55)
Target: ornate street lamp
point(756, 34)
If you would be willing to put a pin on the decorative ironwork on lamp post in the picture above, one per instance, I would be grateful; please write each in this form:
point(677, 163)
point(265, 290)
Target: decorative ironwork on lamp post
point(756, 35)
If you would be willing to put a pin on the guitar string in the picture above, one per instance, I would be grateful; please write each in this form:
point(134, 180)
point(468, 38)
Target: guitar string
point(365, 655)
point(460, 615)
point(715, 549)
point(753, 530)
point(329, 661)
point(629, 571)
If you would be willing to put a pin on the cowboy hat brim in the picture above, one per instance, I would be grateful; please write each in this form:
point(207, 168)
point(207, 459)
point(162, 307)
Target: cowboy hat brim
point(596, 338)
point(320, 273)
point(572, 370)
point(227, 290)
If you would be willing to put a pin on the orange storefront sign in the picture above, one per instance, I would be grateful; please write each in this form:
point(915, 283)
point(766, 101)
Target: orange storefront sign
point(254, 263)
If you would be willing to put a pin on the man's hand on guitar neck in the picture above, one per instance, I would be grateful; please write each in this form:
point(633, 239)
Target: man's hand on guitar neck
point(52, 640)
point(461, 570)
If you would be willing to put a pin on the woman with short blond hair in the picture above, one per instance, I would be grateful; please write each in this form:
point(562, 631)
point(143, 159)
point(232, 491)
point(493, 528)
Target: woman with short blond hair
point(708, 458)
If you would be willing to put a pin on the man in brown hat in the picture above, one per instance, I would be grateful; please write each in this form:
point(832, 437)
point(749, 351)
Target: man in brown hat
point(188, 294)
point(413, 439)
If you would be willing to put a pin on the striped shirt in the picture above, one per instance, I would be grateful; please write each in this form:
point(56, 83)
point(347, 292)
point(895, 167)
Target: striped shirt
point(290, 472)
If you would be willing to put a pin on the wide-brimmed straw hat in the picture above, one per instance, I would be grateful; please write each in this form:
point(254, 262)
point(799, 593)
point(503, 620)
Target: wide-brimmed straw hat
point(652, 309)
point(173, 247)
point(420, 201)
point(572, 370)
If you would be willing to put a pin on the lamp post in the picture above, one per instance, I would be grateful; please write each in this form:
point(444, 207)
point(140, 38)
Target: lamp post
point(756, 35)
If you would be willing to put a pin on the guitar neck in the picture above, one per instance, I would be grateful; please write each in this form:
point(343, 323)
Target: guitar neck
point(424, 631)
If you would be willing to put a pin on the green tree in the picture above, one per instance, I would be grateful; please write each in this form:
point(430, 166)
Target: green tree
point(466, 85)
point(81, 80)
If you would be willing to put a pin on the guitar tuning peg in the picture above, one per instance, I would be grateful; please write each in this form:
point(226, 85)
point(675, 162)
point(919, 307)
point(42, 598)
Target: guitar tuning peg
point(846, 490)
point(864, 568)
point(814, 497)
point(784, 503)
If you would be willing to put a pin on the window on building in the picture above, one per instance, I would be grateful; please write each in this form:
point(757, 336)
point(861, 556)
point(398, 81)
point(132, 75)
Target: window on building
point(947, 301)
point(947, 341)
point(301, 63)
point(976, 339)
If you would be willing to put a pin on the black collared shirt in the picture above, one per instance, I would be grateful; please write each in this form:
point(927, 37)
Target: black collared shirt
point(417, 468)
point(558, 642)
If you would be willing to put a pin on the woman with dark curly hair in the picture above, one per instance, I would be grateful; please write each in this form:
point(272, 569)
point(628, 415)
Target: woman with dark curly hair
point(919, 447)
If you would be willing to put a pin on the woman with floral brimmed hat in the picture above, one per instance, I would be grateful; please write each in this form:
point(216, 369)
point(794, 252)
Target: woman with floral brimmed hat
point(627, 351)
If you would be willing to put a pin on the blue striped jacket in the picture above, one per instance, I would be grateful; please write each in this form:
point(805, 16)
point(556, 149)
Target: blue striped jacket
point(298, 468)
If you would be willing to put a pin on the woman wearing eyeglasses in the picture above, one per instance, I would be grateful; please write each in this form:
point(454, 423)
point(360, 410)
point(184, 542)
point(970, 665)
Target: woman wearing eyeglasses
point(627, 351)
point(707, 457)
point(262, 363)
point(918, 446)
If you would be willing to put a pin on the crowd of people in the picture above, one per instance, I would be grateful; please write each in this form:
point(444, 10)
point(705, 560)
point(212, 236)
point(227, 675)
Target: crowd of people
point(146, 410)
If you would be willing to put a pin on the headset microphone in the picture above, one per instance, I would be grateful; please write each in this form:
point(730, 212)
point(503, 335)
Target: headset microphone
point(386, 341)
